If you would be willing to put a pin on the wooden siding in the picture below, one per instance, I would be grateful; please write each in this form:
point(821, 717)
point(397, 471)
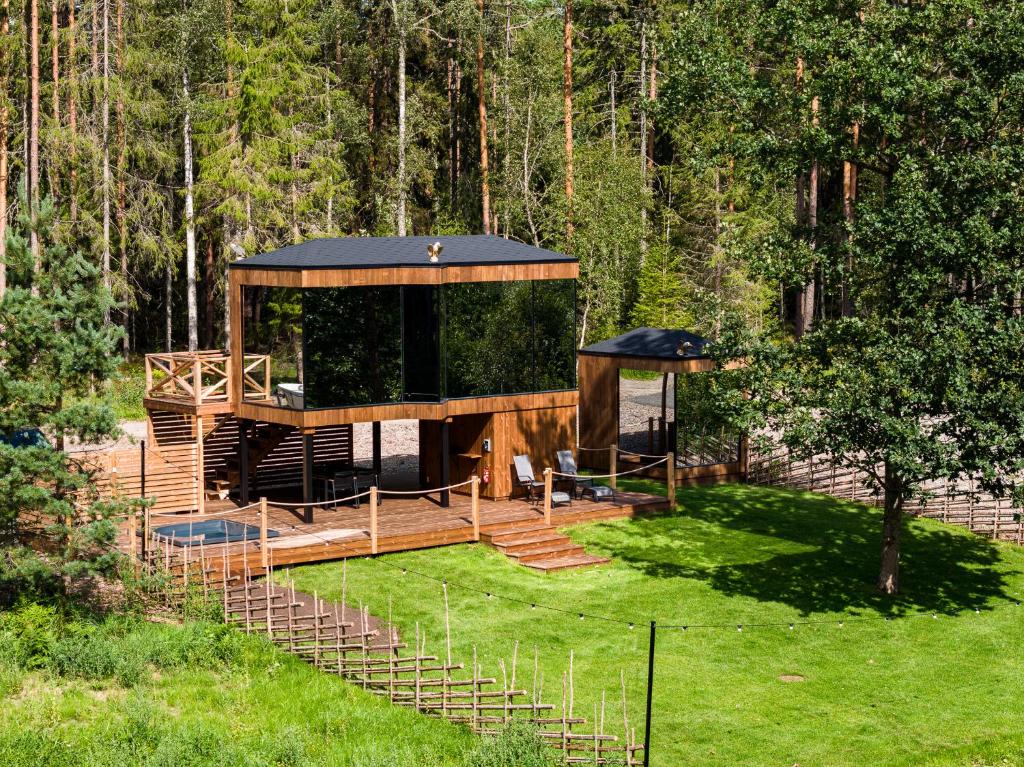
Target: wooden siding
point(410, 275)
point(428, 411)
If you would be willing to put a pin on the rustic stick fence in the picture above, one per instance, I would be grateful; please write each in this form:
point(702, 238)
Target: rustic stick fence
point(965, 505)
point(368, 651)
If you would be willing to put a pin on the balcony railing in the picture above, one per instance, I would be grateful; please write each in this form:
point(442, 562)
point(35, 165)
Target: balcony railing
point(203, 377)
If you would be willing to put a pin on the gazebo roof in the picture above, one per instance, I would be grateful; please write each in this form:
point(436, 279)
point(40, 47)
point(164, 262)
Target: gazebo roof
point(404, 252)
point(652, 343)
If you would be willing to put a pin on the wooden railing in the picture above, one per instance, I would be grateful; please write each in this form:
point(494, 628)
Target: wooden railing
point(204, 376)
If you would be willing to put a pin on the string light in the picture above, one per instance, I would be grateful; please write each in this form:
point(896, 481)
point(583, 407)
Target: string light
point(682, 627)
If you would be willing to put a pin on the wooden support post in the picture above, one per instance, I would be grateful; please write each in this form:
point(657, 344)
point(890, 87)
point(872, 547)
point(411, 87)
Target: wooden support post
point(243, 461)
point(264, 554)
point(650, 434)
point(200, 468)
point(547, 495)
point(373, 520)
point(144, 549)
point(445, 461)
point(307, 477)
point(670, 479)
point(613, 466)
point(197, 381)
point(475, 506)
point(377, 448)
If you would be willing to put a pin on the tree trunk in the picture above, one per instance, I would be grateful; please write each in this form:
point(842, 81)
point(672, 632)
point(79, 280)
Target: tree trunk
point(652, 94)
point(190, 223)
point(849, 201)
point(892, 521)
point(121, 129)
point(168, 309)
point(96, 40)
point(5, 117)
point(106, 151)
point(72, 117)
point(643, 134)
point(481, 87)
point(209, 278)
point(400, 181)
point(614, 114)
point(55, 72)
point(33, 135)
point(451, 127)
point(567, 99)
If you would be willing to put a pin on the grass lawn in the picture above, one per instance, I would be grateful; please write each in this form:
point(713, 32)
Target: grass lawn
point(247, 705)
point(909, 691)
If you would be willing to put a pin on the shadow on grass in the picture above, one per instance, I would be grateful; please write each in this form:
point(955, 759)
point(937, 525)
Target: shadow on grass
point(811, 552)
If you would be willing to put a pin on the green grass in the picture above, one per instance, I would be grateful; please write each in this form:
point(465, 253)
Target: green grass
point(938, 691)
point(127, 390)
point(199, 694)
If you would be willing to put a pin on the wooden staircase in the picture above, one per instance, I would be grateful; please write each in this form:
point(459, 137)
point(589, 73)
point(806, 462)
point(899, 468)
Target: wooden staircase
point(540, 547)
point(262, 442)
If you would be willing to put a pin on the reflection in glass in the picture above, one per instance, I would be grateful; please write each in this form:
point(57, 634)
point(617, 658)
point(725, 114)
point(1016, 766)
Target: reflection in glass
point(489, 338)
point(353, 346)
point(272, 332)
point(421, 343)
point(554, 309)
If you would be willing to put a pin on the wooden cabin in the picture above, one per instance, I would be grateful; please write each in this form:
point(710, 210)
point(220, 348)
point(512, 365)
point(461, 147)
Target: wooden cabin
point(472, 336)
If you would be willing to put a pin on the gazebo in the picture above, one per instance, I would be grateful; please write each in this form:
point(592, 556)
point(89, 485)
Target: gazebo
point(674, 414)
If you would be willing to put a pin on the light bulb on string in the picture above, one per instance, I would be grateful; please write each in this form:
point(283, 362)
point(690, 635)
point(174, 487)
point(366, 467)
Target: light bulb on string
point(739, 627)
point(791, 626)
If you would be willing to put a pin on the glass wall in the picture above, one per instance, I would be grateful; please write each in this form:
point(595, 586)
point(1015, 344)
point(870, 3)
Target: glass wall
point(352, 346)
point(272, 340)
point(510, 337)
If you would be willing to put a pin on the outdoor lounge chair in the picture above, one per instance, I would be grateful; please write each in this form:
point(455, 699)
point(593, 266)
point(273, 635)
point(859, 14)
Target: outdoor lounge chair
point(535, 490)
point(581, 484)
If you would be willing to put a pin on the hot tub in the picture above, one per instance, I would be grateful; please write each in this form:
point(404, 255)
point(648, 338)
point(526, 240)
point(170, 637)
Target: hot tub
point(290, 395)
point(209, 532)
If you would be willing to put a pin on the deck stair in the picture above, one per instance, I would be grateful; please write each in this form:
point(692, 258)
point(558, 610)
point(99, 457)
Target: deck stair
point(262, 442)
point(539, 547)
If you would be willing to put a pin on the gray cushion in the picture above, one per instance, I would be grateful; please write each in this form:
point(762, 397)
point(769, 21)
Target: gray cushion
point(599, 491)
point(558, 496)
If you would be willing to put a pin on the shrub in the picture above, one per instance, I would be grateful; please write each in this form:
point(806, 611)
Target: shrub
point(518, 745)
point(34, 628)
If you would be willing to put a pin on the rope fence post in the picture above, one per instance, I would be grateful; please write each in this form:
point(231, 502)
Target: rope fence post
point(670, 478)
point(373, 519)
point(475, 506)
point(650, 694)
point(613, 466)
point(145, 533)
point(264, 554)
point(133, 524)
point(547, 495)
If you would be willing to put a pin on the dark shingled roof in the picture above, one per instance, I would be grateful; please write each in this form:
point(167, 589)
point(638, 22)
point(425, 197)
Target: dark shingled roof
point(370, 252)
point(656, 343)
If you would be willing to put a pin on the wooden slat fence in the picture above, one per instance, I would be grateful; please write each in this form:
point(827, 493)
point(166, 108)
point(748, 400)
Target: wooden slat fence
point(958, 504)
point(367, 651)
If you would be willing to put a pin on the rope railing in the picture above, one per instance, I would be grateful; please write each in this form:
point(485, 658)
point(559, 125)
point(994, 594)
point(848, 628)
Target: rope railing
point(204, 514)
point(321, 504)
point(609, 476)
point(425, 492)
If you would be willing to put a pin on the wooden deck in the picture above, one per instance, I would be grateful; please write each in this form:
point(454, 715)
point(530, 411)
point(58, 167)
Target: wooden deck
point(404, 523)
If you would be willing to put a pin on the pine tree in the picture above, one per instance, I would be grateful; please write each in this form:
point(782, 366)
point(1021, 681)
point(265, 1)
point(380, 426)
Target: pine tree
point(57, 348)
